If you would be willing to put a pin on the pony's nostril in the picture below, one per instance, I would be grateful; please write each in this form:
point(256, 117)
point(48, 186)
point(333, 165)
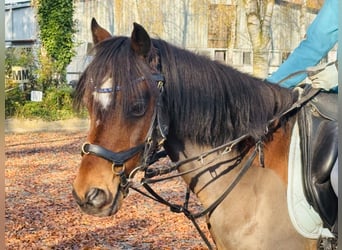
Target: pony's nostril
point(96, 197)
point(91, 195)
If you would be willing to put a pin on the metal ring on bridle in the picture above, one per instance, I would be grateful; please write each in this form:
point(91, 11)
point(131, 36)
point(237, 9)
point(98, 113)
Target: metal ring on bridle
point(116, 172)
point(83, 150)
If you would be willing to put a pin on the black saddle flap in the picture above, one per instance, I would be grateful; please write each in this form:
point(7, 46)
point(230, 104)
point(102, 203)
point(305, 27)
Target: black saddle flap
point(319, 143)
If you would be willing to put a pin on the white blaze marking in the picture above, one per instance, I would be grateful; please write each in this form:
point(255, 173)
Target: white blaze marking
point(104, 98)
point(98, 122)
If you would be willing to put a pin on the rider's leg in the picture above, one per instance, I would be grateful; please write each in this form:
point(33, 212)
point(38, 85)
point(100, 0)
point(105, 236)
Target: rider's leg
point(334, 177)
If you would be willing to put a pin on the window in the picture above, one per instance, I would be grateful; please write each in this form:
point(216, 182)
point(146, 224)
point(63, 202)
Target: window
point(246, 58)
point(220, 55)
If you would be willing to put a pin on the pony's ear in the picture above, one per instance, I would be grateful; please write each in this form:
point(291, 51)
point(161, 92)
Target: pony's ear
point(140, 40)
point(99, 33)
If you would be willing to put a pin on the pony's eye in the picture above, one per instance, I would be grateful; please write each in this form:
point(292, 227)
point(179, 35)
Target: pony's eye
point(138, 108)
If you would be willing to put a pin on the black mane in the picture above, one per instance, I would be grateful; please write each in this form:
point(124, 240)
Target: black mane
point(208, 102)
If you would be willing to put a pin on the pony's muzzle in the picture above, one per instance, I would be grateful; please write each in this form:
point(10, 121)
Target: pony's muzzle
point(96, 202)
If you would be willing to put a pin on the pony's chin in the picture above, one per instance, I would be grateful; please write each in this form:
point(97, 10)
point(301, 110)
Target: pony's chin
point(115, 207)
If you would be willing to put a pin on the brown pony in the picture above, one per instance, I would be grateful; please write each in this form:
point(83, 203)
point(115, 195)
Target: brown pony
point(142, 92)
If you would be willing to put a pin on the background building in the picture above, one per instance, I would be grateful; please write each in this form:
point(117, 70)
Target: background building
point(20, 24)
point(216, 28)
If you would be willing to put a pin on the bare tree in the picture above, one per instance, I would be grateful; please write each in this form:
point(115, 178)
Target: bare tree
point(302, 18)
point(259, 15)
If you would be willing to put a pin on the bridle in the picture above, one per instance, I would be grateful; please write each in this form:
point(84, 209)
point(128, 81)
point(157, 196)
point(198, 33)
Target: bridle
point(158, 128)
point(155, 138)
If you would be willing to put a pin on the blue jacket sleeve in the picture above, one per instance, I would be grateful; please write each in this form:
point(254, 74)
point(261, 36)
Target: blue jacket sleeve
point(321, 36)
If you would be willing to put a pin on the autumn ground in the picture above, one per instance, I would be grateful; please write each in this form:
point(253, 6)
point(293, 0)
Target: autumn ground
point(41, 213)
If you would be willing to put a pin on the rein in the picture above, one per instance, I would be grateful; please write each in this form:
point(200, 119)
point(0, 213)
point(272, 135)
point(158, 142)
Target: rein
point(209, 210)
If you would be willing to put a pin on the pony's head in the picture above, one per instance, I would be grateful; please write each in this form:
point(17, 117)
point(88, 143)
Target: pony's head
point(119, 89)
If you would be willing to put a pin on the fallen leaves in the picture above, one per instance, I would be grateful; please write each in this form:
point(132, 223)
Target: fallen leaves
point(41, 212)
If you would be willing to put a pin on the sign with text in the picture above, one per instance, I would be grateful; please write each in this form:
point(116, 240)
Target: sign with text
point(20, 74)
point(36, 96)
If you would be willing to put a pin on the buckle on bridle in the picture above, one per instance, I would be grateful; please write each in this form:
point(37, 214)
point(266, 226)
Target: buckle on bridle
point(124, 181)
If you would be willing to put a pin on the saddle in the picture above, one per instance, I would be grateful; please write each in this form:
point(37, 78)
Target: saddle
point(318, 129)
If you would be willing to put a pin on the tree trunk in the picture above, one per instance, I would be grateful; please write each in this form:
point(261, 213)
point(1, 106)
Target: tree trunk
point(303, 19)
point(259, 15)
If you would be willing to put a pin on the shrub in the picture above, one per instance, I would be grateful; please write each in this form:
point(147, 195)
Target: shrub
point(16, 94)
point(56, 105)
point(14, 99)
point(57, 99)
